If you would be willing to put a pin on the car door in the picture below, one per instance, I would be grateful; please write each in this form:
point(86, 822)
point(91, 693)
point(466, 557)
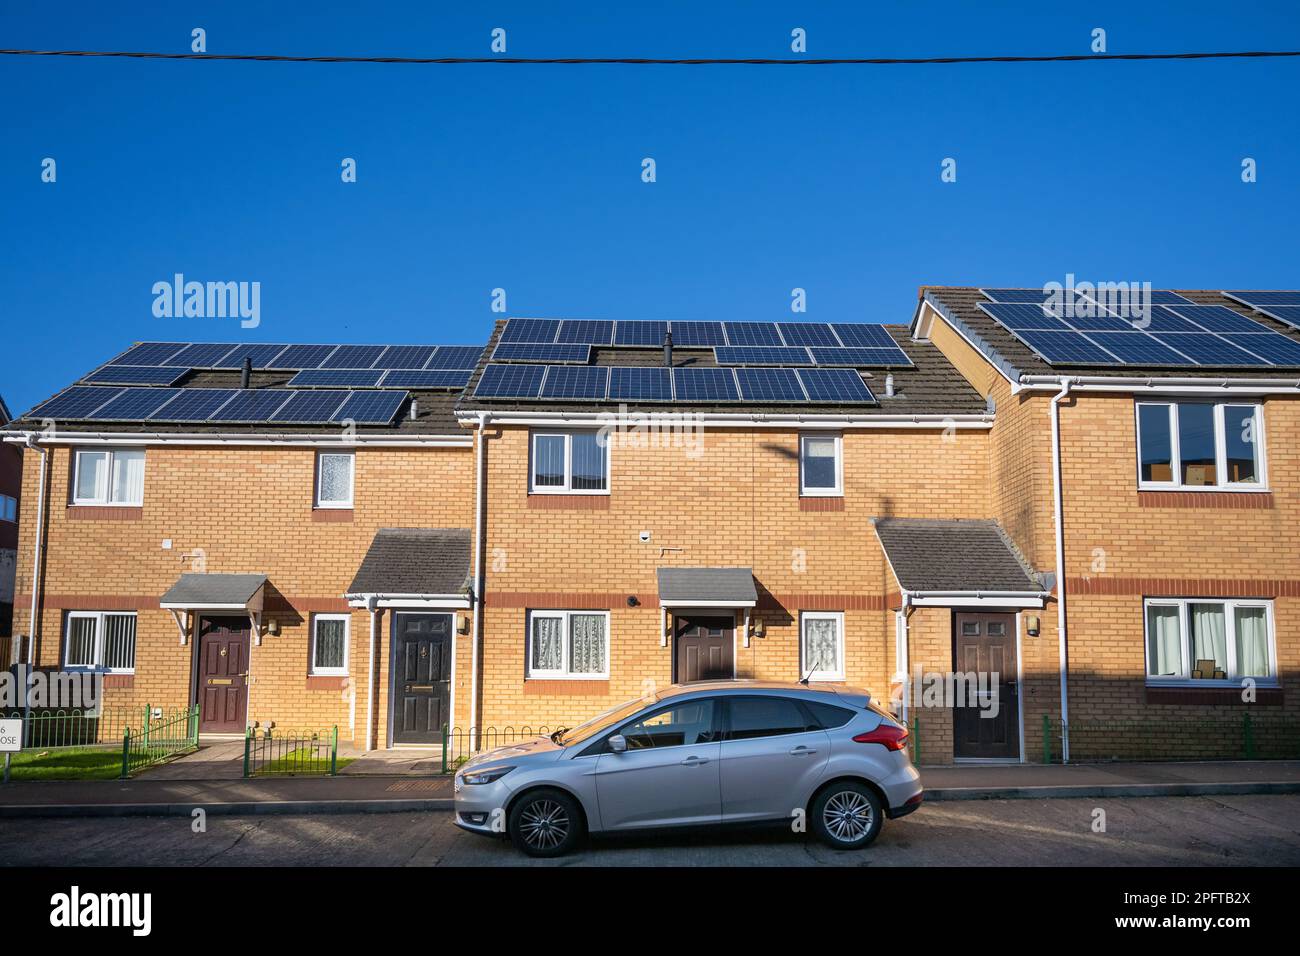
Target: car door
point(668, 776)
point(773, 754)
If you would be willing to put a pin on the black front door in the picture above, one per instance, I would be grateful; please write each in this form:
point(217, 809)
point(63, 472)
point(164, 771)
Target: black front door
point(985, 645)
point(421, 677)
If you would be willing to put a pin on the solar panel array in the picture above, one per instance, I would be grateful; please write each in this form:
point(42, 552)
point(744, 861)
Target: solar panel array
point(682, 384)
point(1276, 304)
point(1078, 330)
point(221, 405)
point(380, 378)
point(229, 355)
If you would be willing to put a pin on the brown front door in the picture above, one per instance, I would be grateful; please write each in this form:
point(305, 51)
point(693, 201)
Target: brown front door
point(704, 648)
point(985, 645)
point(421, 677)
point(223, 675)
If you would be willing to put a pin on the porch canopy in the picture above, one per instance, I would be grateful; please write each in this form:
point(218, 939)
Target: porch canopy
point(960, 561)
point(707, 587)
point(235, 594)
point(414, 567)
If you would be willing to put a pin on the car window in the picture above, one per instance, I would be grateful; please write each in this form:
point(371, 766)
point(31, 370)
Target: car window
point(680, 725)
point(828, 716)
point(766, 717)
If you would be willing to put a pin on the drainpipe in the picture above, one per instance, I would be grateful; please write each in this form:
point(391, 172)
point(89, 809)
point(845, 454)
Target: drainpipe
point(477, 623)
point(372, 605)
point(35, 446)
point(1059, 517)
point(904, 656)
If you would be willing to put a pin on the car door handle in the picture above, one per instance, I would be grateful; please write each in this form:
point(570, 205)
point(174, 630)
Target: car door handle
point(695, 761)
point(802, 751)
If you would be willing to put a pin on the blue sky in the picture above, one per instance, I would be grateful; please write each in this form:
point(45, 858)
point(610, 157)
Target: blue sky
point(528, 178)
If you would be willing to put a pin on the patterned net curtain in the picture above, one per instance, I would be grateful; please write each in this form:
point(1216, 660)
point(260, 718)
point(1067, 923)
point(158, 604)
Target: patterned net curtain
point(548, 651)
point(822, 646)
point(329, 643)
point(587, 644)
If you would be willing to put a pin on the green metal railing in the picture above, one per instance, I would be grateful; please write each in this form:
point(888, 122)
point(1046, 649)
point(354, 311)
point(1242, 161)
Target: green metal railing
point(50, 729)
point(285, 753)
point(459, 743)
point(1229, 737)
point(157, 740)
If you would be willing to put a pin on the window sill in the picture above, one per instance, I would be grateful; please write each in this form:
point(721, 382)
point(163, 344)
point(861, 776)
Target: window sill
point(336, 515)
point(568, 502)
point(821, 503)
point(105, 512)
point(567, 686)
point(1211, 692)
point(326, 682)
point(1178, 498)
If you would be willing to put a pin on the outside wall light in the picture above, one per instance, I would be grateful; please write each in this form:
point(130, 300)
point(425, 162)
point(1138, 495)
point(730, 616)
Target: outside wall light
point(759, 628)
point(273, 627)
point(462, 624)
point(1032, 625)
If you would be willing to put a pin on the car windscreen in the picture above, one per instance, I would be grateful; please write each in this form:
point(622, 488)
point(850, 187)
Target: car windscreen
point(601, 722)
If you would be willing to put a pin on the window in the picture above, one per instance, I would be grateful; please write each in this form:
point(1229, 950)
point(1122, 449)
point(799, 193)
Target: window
point(828, 716)
point(822, 645)
point(329, 645)
point(105, 477)
point(1195, 640)
point(750, 717)
point(101, 641)
point(821, 465)
point(8, 508)
point(567, 644)
point(1191, 445)
point(334, 478)
point(681, 725)
point(570, 463)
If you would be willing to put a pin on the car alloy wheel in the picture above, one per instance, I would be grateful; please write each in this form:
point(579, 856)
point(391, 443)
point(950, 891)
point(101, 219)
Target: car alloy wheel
point(848, 816)
point(544, 824)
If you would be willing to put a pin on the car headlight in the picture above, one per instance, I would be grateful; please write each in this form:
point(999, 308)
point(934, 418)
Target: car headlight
point(490, 775)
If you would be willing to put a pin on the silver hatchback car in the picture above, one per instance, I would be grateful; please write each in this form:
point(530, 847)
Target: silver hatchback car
point(716, 752)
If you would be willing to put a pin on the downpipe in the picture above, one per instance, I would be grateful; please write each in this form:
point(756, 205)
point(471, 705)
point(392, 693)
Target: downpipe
point(1059, 516)
point(42, 480)
point(477, 623)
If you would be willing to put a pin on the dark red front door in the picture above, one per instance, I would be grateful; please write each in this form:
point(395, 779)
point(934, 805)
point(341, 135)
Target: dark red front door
point(223, 675)
point(704, 648)
point(985, 645)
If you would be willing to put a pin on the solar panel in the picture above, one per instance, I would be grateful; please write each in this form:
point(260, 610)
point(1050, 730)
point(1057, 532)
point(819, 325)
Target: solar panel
point(531, 330)
point(576, 381)
point(1206, 349)
point(136, 375)
point(510, 381)
point(406, 356)
point(354, 356)
point(698, 335)
point(262, 356)
point(337, 377)
point(835, 385)
point(456, 356)
point(311, 407)
point(134, 404)
point(586, 331)
point(860, 357)
point(1020, 295)
point(1274, 346)
point(194, 405)
point(304, 356)
point(1290, 314)
point(864, 335)
point(1219, 318)
point(1064, 347)
point(149, 353)
point(751, 333)
point(201, 354)
point(75, 402)
point(1162, 319)
point(769, 385)
point(427, 378)
point(1102, 323)
point(761, 355)
point(252, 405)
point(1138, 348)
point(371, 408)
point(640, 383)
point(1257, 300)
point(541, 352)
point(1017, 315)
point(1129, 299)
point(808, 333)
point(705, 385)
point(641, 333)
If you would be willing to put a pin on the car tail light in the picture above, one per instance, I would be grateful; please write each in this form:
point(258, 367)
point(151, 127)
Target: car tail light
point(891, 735)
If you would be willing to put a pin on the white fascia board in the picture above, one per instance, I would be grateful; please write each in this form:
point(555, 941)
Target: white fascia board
point(806, 422)
point(214, 439)
point(1172, 385)
point(704, 605)
point(999, 599)
point(437, 601)
point(191, 606)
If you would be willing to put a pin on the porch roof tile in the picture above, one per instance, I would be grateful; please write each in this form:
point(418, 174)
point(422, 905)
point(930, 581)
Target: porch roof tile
point(415, 561)
point(953, 555)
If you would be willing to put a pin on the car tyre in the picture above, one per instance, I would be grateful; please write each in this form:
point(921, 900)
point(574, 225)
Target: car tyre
point(545, 823)
point(847, 815)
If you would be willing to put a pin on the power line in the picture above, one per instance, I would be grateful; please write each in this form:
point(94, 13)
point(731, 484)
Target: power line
point(657, 61)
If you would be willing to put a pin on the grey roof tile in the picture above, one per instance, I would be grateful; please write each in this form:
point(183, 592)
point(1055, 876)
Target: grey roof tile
point(415, 561)
point(953, 555)
point(706, 585)
point(200, 589)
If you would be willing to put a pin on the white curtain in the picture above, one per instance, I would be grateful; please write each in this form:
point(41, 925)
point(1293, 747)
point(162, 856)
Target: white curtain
point(822, 644)
point(587, 644)
point(92, 475)
point(1252, 642)
point(128, 477)
point(548, 652)
point(1209, 635)
point(1166, 650)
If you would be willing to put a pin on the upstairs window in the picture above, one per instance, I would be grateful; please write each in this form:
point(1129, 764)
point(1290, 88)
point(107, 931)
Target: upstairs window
point(1200, 445)
point(575, 462)
point(821, 466)
point(334, 478)
point(108, 477)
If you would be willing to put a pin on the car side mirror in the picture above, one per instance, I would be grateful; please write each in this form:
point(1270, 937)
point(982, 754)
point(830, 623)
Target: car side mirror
point(618, 744)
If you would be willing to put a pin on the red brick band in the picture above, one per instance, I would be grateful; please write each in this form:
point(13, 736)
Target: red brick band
point(1185, 587)
point(1205, 499)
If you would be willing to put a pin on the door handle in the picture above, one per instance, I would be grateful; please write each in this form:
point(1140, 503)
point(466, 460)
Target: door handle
point(695, 761)
point(802, 751)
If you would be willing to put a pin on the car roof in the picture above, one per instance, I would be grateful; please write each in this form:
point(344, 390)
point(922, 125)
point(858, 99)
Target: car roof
point(856, 695)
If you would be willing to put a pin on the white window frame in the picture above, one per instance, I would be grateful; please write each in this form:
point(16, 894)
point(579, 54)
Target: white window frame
point(351, 456)
point(566, 488)
point(563, 673)
point(1230, 606)
point(838, 617)
point(99, 618)
point(102, 496)
point(9, 509)
point(343, 671)
point(1220, 448)
point(838, 490)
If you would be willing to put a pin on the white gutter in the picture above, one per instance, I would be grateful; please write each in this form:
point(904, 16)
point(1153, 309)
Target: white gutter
point(477, 623)
point(36, 574)
point(1179, 384)
point(687, 418)
point(238, 440)
point(1059, 517)
point(372, 606)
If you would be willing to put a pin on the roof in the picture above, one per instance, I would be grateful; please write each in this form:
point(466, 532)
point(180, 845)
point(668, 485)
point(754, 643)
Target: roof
point(953, 555)
point(707, 586)
point(4, 412)
point(204, 590)
point(415, 561)
point(960, 305)
point(931, 387)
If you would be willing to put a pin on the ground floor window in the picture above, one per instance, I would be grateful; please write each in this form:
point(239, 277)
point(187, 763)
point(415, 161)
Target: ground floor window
point(821, 645)
point(329, 645)
point(1203, 639)
point(568, 644)
point(100, 640)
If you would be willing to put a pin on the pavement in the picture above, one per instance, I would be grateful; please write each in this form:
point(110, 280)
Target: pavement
point(405, 789)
